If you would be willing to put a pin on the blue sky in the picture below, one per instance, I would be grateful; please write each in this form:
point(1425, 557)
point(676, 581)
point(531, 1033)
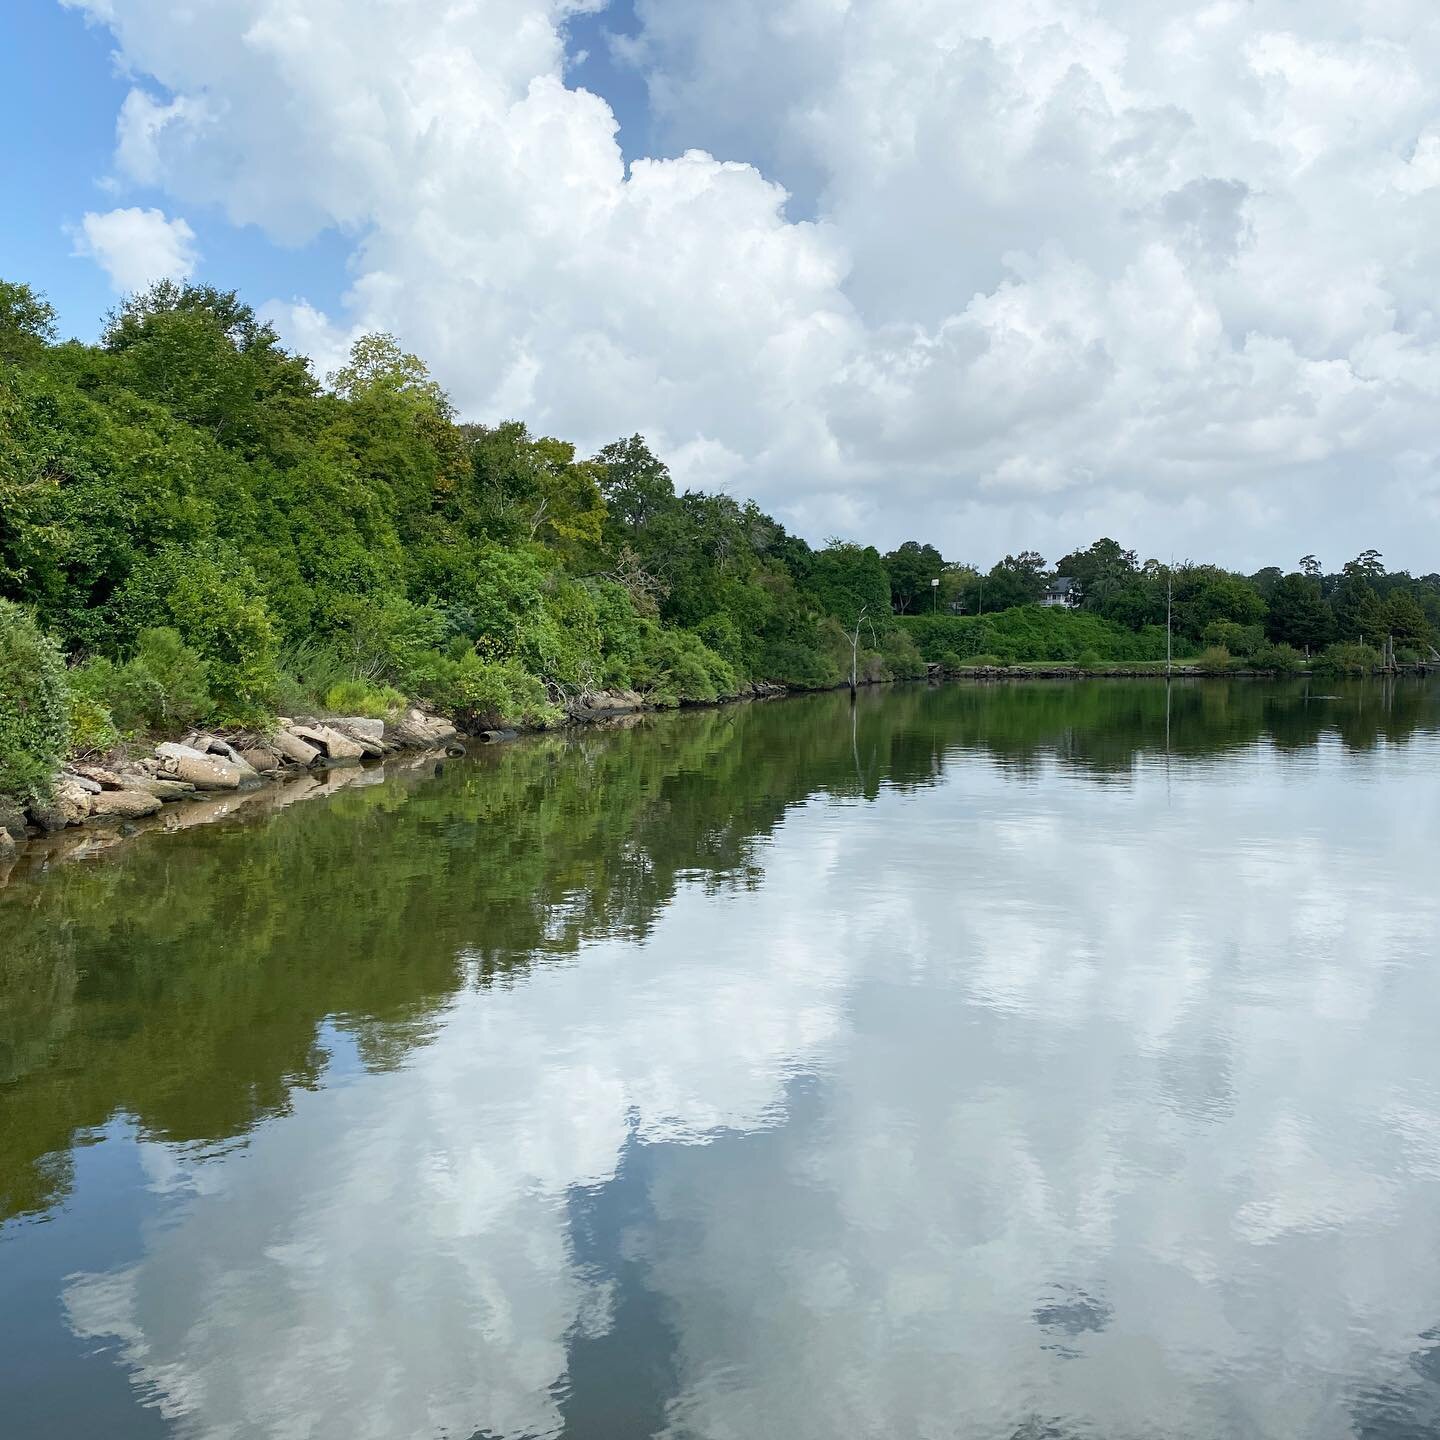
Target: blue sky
point(62, 86)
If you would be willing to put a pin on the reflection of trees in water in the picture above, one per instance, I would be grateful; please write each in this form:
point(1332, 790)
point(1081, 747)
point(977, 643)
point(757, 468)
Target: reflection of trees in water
point(184, 980)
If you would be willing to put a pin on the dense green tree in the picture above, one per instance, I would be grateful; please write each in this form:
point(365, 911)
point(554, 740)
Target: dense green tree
point(848, 578)
point(1405, 620)
point(1298, 615)
point(1101, 572)
point(27, 323)
point(1016, 580)
point(911, 568)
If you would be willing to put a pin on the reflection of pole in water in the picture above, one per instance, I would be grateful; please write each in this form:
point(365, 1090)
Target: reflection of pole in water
point(1167, 740)
point(855, 744)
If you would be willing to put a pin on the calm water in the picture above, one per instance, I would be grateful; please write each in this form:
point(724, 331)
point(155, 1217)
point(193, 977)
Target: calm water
point(1021, 1062)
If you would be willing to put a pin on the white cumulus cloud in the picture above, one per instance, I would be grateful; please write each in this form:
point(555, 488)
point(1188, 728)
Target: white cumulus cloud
point(137, 247)
point(1043, 268)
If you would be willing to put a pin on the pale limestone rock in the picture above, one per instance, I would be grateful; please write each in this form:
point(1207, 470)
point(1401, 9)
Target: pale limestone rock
point(294, 749)
point(128, 804)
point(204, 772)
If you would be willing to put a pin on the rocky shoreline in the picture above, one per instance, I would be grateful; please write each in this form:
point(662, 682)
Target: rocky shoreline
point(207, 775)
point(205, 766)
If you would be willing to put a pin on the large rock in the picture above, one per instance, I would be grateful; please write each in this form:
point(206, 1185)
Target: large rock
point(69, 805)
point(294, 749)
point(335, 745)
point(373, 748)
point(9, 848)
point(361, 727)
point(128, 804)
point(100, 778)
point(91, 787)
point(12, 818)
point(261, 759)
point(420, 731)
point(203, 771)
point(161, 789)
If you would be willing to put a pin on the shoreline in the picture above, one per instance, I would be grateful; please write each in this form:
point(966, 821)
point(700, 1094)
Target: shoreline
point(411, 742)
point(208, 776)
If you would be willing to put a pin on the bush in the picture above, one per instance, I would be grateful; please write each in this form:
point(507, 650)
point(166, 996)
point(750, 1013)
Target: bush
point(34, 705)
point(1032, 632)
point(360, 697)
point(480, 694)
point(162, 687)
point(1090, 660)
point(213, 599)
point(388, 639)
point(1237, 639)
point(1281, 659)
point(675, 666)
point(1214, 660)
point(988, 662)
point(1347, 658)
point(92, 727)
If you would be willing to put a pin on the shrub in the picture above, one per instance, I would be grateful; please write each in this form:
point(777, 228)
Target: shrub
point(1214, 660)
point(988, 662)
point(1237, 639)
point(213, 598)
point(1090, 660)
point(480, 694)
point(1346, 658)
point(388, 639)
point(1282, 659)
point(360, 697)
point(34, 705)
point(162, 687)
point(950, 661)
point(674, 666)
point(1032, 632)
point(177, 677)
point(92, 727)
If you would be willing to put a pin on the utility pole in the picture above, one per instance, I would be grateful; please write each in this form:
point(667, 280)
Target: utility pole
point(1169, 607)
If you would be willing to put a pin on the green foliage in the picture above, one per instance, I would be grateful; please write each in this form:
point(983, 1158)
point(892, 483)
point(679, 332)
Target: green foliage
point(1405, 620)
point(1214, 660)
point(1016, 581)
point(481, 694)
point(1032, 632)
point(847, 579)
point(164, 686)
point(92, 727)
point(360, 697)
point(1277, 659)
point(1090, 660)
point(27, 323)
point(189, 475)
point(1298, 615)
point(1347, 658)
point(34, 705)
point(213, 599)
point(1243, 640)
point(911, 568)
point(675, 666)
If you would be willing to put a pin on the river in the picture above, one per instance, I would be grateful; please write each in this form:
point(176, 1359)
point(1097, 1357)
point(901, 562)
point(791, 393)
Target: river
point(1029, 1061)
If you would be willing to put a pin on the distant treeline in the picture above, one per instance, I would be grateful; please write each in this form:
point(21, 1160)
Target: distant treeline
point(203, 530)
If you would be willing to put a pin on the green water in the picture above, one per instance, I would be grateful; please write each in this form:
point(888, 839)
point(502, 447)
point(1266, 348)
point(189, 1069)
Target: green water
point(1020, 1061)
